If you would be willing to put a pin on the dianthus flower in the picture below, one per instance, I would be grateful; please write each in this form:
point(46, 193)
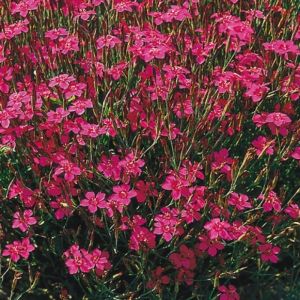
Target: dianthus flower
point(24, 220)
point(228, 292)
point(240, 201)
point(18, 249)
point(93, 202)
point(269, 252)
point(218, 229)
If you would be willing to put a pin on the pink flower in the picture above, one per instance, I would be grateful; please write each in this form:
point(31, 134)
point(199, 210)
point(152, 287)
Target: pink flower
point(166, 223)
point(218, 229)
point(211, 246)
point(177, 185)
point(271, 202)
point(23, 7)
point(110, 167)
point(80, 105)
point(123, 193)
point(121, 197)
point(293, 211)
point(78, 260)
point(222, 162)
point(256, 92)
point(68, 44)
point(228, 293)
point(18, 249)
point(69, 169)
point(57, 116)
point(64, 207)
point(278, 119)
point(131, 166)
point(90, 130)
point(240, 201)
point(100, 259)
point(109, 41)
point(296, 153)
point(23, 221)
point(62, 80)
point(93, 202)
point(263, 146)
point(54, 34)
point(282, 47)
point(74, 89)
point(141, 237)
point(269, 252)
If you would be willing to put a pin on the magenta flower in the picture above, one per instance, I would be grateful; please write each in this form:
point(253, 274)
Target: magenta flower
point(263, 146)
point(177, 185)
point(166, 223)
point(24, 7)
point(80, 105)
point(278, 119)
point(24, 220)
point(100, 259)
point(69, 169)
point(93, 202)
point(211, 246)
point(141, 237)
point(293, 211)
point(18, 249)
point(57, 116)
point(222, 162)
point(228, 292)
point(78, 260)
point(240, 201)
point(269, 252)
point(110, 167)
point(131, 166)
point(62, 80)
point(271, 202)
point(122, 197)
point(218, 229)
point(123, 194)
point(64, 207)
point(296, 153)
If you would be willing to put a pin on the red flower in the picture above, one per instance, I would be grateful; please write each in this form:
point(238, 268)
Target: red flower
point(222, 162)
point(269, 252)
point(110, 167)
point(296, 153)
point(157, 278)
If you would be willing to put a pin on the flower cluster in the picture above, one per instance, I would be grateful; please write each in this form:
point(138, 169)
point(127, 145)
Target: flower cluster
point(165, 132)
